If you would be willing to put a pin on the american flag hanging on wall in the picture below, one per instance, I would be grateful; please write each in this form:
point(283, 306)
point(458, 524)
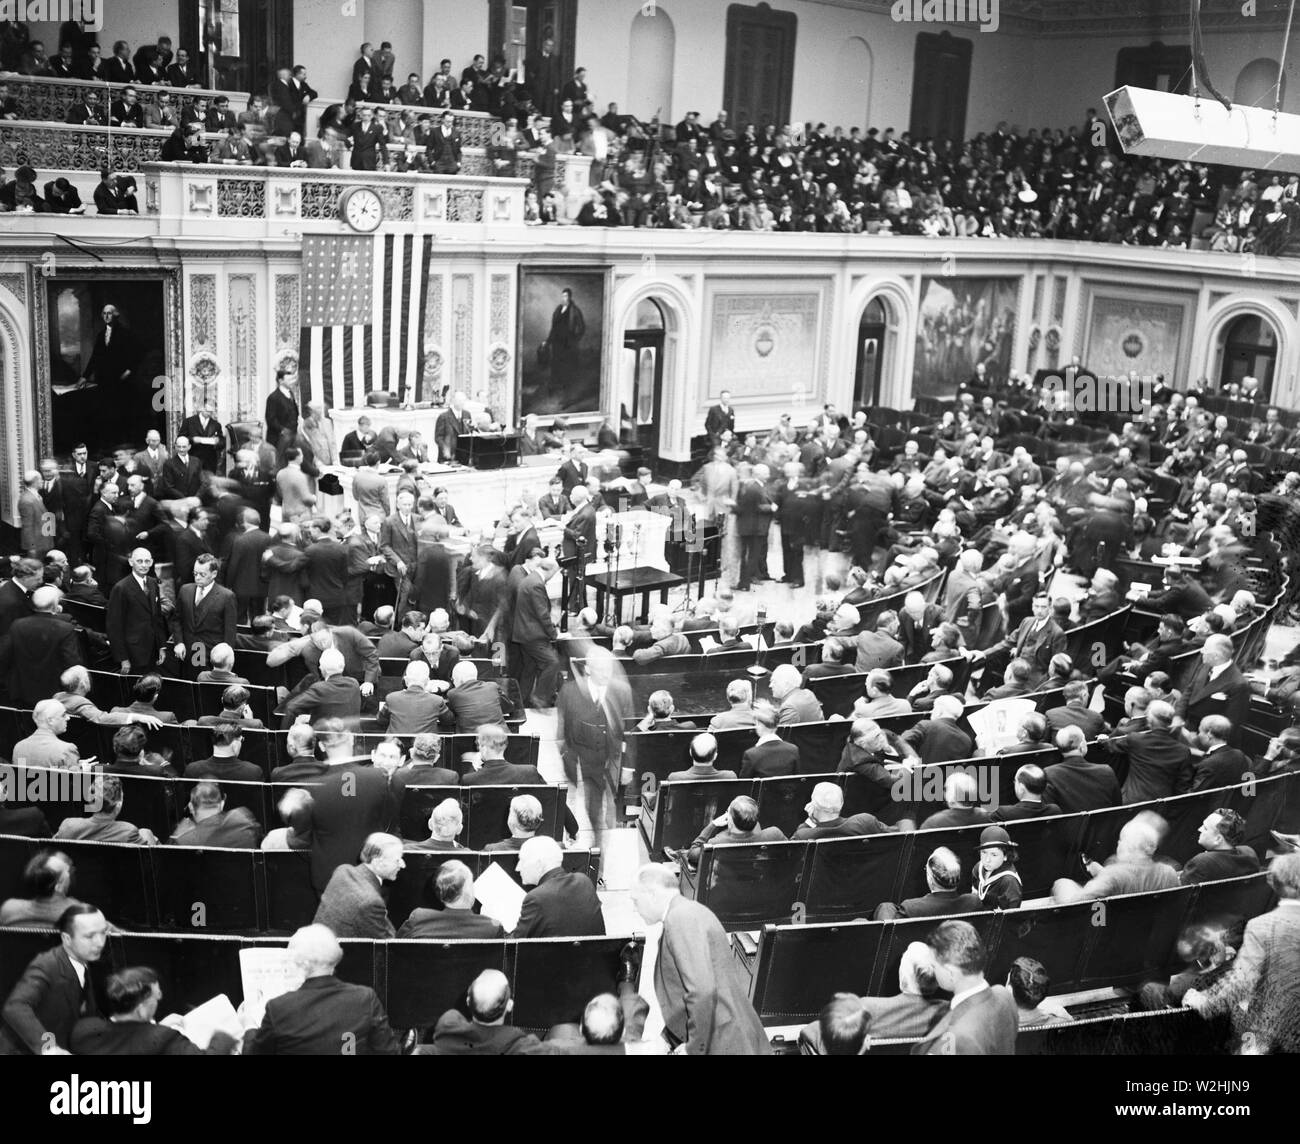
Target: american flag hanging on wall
point(362, 317)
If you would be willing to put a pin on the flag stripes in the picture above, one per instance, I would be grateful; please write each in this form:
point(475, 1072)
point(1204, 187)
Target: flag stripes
point(340, 362)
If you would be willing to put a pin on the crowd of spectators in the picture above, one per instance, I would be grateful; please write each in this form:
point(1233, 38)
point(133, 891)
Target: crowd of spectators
point(1041, 183)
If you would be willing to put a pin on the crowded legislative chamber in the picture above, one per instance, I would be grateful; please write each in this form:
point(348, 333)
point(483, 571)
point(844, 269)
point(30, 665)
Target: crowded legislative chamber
point(823, 475)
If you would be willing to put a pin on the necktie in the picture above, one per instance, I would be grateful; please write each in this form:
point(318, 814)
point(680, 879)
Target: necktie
point(89, 1006)
point(200, 595)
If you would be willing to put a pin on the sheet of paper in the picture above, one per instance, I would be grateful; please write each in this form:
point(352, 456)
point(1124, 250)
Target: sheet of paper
point(266, 973)
point(215, 1015)
point(500, 896)
point(996, 725)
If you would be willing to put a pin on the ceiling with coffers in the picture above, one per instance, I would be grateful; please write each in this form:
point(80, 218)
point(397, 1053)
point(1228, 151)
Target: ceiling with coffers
point(1168, 18)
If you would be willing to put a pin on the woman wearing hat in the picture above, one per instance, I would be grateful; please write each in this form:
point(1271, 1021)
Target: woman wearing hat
point(995, 880)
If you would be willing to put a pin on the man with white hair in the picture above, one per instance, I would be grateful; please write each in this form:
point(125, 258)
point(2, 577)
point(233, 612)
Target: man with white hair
point(523, 821)
point(472, 702)
point(1133, 870)
point(323, 1016)
point(703, 995)
point(796, 704)
point(135, 620)
point(962, 808)
point(561, 903)
point(939, 739)
point(1216, 687)
point(825, 817)
point(667, 641)
point(43, 747)
point(74, 697)
point(352, 904)
point(414, 710)
point(38, 649)
point(445, 824)
point(222, 659)
point(912, 1012)
point(334, 695)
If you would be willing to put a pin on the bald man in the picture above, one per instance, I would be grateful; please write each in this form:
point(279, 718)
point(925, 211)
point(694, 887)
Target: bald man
point(323, 1016)
point(38, 649)
point(136, 620)
point(334, 695)
point(484, 1033)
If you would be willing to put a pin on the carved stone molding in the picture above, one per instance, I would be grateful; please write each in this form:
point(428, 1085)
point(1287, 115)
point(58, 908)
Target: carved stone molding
point(462, 331)
point(288, 316)
point(203, 306)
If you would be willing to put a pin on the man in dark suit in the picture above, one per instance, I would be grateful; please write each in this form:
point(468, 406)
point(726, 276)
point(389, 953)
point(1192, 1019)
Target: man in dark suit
point(434, 572)
point(983, 1020)
point(353, 902)
point(943, 877)
point(1036, 640)
point(568, 328)
point(451, 423)
point(443, 147)
point(493, 770)
point(37, 650)
point(771, 756)
point(205, 615)
point(333, 696)
point(56, 989)
point(484, 1033)
point(720, 418)
point(574, 470)
point(1216, 687)
point(399, 542)
point(939, 739)
point(26, 575)
point(1030, 785)
point(350, 802)
point(325, 569)
point(281, 413)
point(1220, 765)
point(243, 572)
point(111, 365)
point(75, 485)
point(203, 432)
point(737, 826)
point(702, 991)
point(1076, 712)
point(182, 474)
point(591, 713)
point(131, 1000)
point(323, 1012)
point(144, 519)
point(579, 546)
point(1184, 596)
point(1075, 784)
point(1159, 762)
point(188, 544)
point(473, 702)
point(454, 886)
point(561, 904)
point(136, 619)
point(368, 139)
point(825, 818)
point(754, 512)
point(532, 632)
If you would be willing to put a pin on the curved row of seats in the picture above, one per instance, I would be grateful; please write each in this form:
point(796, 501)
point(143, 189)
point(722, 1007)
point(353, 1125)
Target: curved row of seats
point(1118, 942)
point(748, 885)
point(213, 890)
point(551, 979)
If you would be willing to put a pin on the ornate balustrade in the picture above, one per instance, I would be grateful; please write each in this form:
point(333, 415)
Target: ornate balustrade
point(192, 198)
point(52, 147)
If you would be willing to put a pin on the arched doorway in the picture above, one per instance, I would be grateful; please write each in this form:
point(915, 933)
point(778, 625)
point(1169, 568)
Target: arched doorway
point(1249, 349)
point(642, 377)
point(872, 329)
point(652, 48)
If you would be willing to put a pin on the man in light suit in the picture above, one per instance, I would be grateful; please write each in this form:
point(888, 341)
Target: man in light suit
point(1216, 687)
point(56, 989)
point(149, 461)
point(323, 1012)
point(983, 1019)
point(205, 615)
point(702, 994)
point(353, 903)
point(1264, 975)
point(37, 536)
point(370, 488)
point(136, 619)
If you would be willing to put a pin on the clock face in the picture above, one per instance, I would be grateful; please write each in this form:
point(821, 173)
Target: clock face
point(363, 209)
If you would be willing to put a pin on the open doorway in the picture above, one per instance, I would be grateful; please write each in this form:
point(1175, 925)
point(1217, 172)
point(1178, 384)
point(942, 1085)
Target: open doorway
point(870, 354)
point(641, 392)
point(1249, 350)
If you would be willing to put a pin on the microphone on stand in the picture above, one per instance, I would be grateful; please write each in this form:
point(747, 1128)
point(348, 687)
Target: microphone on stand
point(756, 669)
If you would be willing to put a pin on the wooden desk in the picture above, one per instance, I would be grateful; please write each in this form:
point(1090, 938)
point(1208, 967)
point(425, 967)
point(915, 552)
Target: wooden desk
point(488, 450)
point(643, 580)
